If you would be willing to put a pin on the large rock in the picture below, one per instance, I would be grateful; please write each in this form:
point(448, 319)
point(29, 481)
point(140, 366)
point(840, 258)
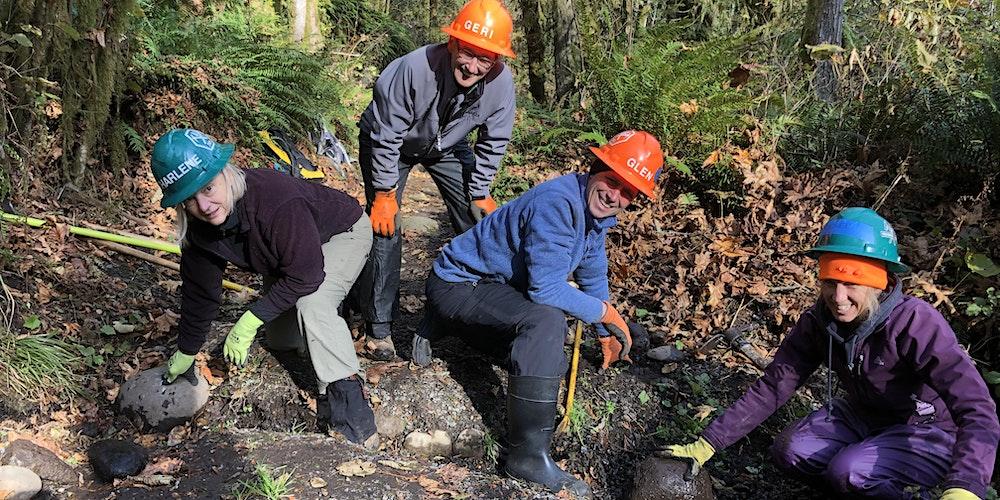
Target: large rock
point(160, 406)
point(663, 479)
point(18, 483)
point(116, 459)
point(40, 460)
point(441, 443)
point(667, 353)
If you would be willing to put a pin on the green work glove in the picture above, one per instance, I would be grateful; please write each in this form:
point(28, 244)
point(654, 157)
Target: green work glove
point(180, 364)
point(697, 453)
point(958, 494)
point(240, 337)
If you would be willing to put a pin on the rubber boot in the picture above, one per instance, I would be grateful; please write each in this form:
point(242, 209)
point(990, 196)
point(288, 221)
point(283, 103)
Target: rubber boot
point(531, 415)
point(379, 343)
point(350, 413)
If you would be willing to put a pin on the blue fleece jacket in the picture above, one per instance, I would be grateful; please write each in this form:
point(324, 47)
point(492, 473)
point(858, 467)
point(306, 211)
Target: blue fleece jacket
point(535, 243)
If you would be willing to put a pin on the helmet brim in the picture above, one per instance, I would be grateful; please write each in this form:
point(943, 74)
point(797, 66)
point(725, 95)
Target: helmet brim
point(891, 266)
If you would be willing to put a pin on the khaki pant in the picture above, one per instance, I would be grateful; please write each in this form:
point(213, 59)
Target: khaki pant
point(313, 325)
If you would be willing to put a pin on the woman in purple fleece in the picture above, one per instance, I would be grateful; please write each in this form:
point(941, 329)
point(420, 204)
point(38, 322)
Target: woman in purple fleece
point(917, 415)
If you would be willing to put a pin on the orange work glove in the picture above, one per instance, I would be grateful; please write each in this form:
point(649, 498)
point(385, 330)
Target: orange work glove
point(482, 207)
point(383, 215)
point(619, 334)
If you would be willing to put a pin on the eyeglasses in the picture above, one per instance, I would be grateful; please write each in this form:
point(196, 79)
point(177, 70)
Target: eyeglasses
point(484, 62)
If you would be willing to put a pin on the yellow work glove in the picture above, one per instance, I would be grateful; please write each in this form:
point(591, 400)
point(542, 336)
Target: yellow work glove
point(697, 453)
point(180, 364)
point(240, 337)
point(384, 210)
point(482, 207)
point(958, 494)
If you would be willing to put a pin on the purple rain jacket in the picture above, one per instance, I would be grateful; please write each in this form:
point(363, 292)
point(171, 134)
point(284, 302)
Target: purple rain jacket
point(907, 369)
point(276, 229)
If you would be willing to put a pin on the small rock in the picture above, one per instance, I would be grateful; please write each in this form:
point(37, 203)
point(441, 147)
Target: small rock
point(419, 443)
point(666, 353)
point(18, 483)
point(160, 406)
point(663, 479)
point(41, 461)
point(469, 443)
point(116, 459)
point(441, 443)
point(389, 426)
point(417, 224)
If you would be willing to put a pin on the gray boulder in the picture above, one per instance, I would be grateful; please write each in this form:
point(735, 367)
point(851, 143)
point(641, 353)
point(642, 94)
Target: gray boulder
point(159, 406)
point(663, 479)
point(41, 461)
point(389, 426)
point(18, 483)
point(666, 353)
point(115, 459)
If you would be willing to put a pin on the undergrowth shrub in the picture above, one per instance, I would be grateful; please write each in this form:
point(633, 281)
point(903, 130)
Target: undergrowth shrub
point(238, 68)
point(355, 21)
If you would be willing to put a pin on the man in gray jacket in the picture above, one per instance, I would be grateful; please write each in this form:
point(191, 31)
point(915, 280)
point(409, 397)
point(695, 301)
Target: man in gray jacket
point(424, 105)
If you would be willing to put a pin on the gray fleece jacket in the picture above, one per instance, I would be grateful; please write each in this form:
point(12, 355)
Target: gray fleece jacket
point(418, 111)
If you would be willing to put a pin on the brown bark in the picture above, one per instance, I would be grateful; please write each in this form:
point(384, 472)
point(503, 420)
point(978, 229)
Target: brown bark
point(824, 23)
point(534, 39)
point(565, 49)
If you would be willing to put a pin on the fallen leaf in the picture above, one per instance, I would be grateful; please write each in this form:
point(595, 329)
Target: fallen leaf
point(403, 466)
point(165, 465)
point(712, 159)
point(689, 108)
point(166, 321)
point(356, 468)
point(703, 411)
point(317, 482)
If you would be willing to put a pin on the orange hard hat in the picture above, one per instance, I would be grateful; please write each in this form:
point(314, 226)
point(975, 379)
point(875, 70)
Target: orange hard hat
point(635, 156)
point(485, 24)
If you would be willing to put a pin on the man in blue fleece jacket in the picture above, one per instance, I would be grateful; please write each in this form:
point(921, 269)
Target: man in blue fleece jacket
point(504, 280)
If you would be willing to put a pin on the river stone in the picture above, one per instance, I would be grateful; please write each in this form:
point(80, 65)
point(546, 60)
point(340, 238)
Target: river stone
point(40, 460)
point(663, 479)
point(159, 406)
point(469, 443)
point(441, 443)
point(18, 483)
point(416, 224)
point(419, 443)
point(666, 353)
point(116, 459)
point(389, 426)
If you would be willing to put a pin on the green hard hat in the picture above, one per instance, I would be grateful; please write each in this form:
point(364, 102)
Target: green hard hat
point(861, 231)
point(184, 161)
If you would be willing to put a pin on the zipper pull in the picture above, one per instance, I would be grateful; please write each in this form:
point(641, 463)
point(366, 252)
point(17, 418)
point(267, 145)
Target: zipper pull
point(439, 141)
point(861, 361)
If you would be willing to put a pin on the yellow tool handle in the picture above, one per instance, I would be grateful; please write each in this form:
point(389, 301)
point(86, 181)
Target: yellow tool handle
point(574, 364)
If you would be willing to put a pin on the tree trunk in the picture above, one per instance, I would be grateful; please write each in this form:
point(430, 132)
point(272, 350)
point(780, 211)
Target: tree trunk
point(305, 22)
point(824, 23)
point(565, 49)
point(535, 41)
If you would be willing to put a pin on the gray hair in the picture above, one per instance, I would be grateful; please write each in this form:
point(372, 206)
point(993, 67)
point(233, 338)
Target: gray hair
point(236, 182)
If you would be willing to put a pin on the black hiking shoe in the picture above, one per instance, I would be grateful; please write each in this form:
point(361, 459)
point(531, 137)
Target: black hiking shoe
point(531, 414)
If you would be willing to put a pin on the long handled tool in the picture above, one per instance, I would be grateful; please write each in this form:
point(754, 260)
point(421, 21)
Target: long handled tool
point(571, 391)
point(114, 240)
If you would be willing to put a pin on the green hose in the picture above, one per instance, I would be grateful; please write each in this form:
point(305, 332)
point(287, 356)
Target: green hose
point(101, 235)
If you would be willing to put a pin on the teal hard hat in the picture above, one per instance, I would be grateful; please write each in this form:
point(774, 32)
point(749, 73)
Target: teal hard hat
point(863, 232)
point(184, 161)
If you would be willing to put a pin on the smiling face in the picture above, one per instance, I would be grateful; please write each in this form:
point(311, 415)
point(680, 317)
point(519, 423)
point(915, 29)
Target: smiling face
point(608, 194)
point(848, 302)
point(470, 64)
point(211, 203)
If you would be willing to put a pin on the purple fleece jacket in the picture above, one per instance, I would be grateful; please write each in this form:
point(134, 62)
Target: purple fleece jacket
point(282, 225)
point(912, 358)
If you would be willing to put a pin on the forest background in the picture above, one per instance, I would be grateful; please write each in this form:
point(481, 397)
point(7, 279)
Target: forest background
point(774, 115)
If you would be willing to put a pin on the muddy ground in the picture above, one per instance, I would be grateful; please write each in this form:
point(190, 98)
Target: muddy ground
point(266, 415)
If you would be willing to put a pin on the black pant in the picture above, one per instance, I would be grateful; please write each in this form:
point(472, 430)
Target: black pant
point(378, 285)
point(496, 316)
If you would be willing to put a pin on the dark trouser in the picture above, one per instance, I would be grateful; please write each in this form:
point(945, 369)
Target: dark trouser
point(855, 460)
point(378, 286)
point(495, 317)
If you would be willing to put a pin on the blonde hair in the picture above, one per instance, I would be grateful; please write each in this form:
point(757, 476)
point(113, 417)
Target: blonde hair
point(236, 183)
